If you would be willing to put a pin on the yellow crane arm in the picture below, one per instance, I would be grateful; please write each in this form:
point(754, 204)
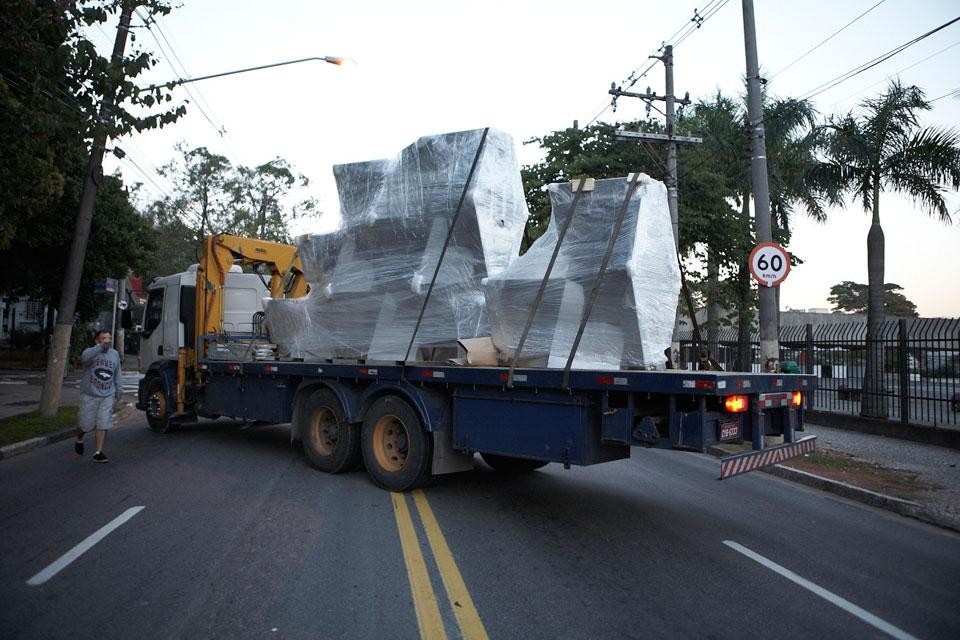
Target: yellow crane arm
point(220, 252)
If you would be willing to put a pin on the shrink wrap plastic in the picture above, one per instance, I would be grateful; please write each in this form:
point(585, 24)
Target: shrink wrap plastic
point(631, 323)
point(370, 277)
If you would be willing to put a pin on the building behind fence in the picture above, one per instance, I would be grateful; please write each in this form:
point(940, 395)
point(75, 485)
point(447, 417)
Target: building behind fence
point(921, 365)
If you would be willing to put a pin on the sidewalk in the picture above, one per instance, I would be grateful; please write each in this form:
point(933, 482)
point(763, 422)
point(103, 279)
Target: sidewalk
point(935, 470)
point(20, 391)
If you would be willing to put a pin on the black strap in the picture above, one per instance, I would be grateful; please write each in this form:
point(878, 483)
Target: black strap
point(446, 243)
point(633, 181)
point(577, 192)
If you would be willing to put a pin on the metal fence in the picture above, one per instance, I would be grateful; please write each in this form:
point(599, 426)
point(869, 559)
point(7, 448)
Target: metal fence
point(921, 365)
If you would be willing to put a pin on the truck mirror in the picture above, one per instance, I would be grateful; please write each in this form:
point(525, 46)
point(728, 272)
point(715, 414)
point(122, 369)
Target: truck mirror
point(126, 319)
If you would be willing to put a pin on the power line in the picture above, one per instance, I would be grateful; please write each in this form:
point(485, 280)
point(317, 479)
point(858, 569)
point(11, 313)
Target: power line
point(709, 10)
point(898, 72)
point(706, 16)
point(825, 40)
point(192, 217)
point(24, 85)
point(826, 86)
point(149, 22)
point(952, 92)
point(854, 72)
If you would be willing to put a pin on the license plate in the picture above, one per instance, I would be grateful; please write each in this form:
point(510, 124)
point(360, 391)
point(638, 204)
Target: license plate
point(729, 430)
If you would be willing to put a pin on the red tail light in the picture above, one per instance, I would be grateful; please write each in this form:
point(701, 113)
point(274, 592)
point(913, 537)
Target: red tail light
point(736, 404)
point(796, 399)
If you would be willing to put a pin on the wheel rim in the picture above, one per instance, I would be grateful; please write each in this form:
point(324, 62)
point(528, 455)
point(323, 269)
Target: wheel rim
point(157, 405)
point(390, 443)
point(324, 431)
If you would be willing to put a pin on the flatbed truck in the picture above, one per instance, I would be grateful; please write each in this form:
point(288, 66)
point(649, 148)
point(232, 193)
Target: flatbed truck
point(408, 422)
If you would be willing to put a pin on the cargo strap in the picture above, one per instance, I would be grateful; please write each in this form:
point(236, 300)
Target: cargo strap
point(578, 186)
point(633, 181)
point(446, 242)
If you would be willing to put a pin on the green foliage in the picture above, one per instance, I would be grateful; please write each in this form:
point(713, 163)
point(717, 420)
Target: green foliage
point(714, 184)
point(210, 195)
point(52, 85)
point(570, 153)
point(884, 149)
point(258, 198)
point(177, 245)
point(32, 425)
point(851, 297)
point(120, 241)
point(200, 197)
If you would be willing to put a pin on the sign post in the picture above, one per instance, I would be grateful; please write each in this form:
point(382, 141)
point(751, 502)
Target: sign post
point(769, 264)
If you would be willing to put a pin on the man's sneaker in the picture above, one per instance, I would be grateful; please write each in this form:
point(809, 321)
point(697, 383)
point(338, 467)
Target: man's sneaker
point(99, 457)
point(78, 447)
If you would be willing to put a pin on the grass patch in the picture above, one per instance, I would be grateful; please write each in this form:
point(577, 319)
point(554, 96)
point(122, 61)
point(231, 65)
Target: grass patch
point(843, 467)
point(31, 425)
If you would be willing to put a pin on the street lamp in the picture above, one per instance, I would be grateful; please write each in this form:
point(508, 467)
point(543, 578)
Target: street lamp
point(173, 83)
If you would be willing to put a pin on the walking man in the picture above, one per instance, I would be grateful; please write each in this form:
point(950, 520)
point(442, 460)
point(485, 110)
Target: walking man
point(99, 387)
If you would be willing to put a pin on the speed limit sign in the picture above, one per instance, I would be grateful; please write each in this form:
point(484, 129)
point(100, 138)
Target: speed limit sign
point(769, 264)
point(122, 305)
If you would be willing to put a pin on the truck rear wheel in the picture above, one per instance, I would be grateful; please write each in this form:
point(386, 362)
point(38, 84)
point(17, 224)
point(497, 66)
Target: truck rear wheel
point(158, 413)
point(331, 444)
point(397, 450)
point(508, 464)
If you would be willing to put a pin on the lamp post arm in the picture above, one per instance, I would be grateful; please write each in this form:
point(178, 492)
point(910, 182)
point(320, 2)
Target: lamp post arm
point(179, 81)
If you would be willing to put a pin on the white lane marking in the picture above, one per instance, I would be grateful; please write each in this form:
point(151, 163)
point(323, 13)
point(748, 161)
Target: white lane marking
point(829, 596)
point(65, 560)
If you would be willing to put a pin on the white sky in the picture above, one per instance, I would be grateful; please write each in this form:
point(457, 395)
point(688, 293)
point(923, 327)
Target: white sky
point(531, 67)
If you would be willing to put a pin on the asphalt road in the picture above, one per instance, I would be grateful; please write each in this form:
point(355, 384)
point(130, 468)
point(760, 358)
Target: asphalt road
point(238, 537)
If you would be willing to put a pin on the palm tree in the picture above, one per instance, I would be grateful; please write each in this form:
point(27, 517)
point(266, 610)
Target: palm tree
point(884, 149)
point(792, 142)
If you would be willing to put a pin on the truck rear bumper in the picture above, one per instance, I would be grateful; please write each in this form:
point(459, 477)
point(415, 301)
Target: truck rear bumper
point(743, 462)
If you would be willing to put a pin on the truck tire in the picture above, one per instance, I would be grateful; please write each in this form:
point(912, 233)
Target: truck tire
point(158, 413)
point(397, 450)
point(331, 444)
point(507, 464)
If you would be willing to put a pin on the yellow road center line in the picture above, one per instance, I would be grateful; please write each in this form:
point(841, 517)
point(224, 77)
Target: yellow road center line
point(467, 617)
point(424, 600)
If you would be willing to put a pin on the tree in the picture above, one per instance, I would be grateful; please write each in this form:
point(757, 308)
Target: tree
point(176, 241)
point(210, 195)
point(852, 297)
point(792, 140)
point(571, 153)
point(61, 95)
point(258, 198)
point(52, 81)
point(885, 149)
point(120, 241)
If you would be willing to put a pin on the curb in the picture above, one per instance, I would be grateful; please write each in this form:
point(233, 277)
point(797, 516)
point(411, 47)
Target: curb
point(17, 448)
point(24, 446)
point(897, 505)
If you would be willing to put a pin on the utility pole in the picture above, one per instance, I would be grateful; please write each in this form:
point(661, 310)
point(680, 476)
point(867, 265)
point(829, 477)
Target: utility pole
point(769, 329)
point(671, 140)
point(60, 348)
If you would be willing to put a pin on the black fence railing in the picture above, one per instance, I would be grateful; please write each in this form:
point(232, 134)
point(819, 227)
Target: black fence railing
point(920, 383)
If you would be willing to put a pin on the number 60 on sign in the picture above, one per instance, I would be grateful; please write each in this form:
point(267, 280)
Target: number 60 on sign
point(769, 264)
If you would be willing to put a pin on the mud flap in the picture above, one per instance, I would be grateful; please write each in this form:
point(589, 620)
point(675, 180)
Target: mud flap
point(751, 460)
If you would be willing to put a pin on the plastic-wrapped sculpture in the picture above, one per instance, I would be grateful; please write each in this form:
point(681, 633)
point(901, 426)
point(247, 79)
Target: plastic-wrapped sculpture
point(369, 279)
point(631, 320)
